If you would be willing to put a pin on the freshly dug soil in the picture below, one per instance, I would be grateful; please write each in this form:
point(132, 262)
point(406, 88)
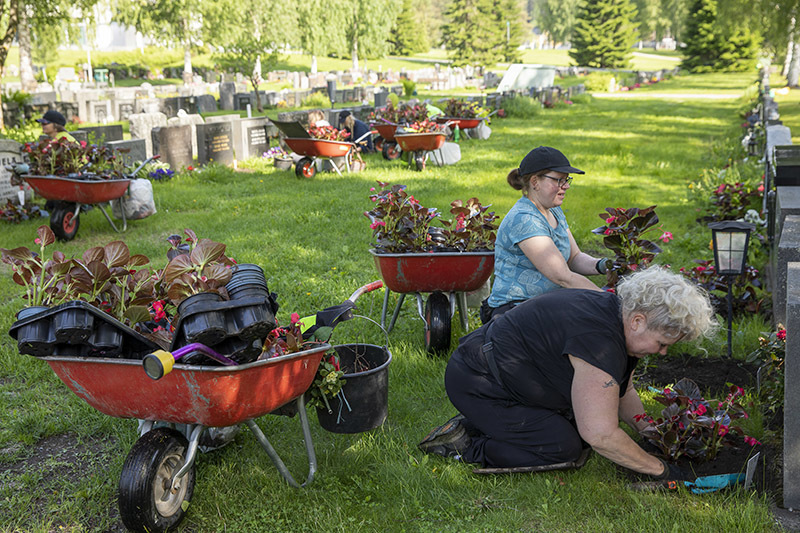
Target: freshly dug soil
point(714, 375)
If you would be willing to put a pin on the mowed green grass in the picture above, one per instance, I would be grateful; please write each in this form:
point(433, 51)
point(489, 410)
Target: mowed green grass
point(312, 240)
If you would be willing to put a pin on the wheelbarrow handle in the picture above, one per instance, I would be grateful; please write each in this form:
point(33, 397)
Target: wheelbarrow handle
point(159, 363)
point(369, 287)
point(140, 167)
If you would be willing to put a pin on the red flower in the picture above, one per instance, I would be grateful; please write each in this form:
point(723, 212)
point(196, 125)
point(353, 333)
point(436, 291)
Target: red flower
point(781, 334)
point(701, 410)
point(294, 318)
point(750, 440)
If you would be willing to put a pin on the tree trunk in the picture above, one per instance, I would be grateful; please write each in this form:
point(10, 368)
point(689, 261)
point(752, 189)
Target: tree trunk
point(5, 44)
point(789, 49)
point(794, 68)
point(355, 56)
point(255, 79)
point(26, 78)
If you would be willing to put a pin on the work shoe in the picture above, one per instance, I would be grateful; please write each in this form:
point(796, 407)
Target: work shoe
point(448, 440)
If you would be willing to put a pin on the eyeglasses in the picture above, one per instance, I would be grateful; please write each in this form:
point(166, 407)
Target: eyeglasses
point(562, 182)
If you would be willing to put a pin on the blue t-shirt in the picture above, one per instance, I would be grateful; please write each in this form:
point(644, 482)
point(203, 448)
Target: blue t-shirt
point(515, 277)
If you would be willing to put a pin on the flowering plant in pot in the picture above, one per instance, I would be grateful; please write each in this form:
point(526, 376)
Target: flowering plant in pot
point(461, 109)
point(328, 133)
point(400, 224)
point(73, 159)
point(692, 427)
point(402, 114)
point(622, 234)
point(424, 126)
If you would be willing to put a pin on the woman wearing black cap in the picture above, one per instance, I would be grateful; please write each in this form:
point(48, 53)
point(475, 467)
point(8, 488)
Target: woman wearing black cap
point(535, 252)
point(358, 130)
point(53, 124)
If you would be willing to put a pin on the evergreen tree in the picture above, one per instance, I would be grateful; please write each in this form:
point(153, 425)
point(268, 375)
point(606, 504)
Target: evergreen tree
point(510, 17)
point(702, 48)
point(410, 33)
point(557, 18)
point(470, 34)
point(604, 33)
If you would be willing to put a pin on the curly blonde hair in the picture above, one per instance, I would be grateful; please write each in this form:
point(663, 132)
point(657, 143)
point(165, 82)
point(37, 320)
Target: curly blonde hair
point(673, 305)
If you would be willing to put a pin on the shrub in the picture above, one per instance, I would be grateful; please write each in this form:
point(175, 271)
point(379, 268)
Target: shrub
point(409, 87)
point(521, 107)
point(583, 98)
point(598, 81)
point(317, 99)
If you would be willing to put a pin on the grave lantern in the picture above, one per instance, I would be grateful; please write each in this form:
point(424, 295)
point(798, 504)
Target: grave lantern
point(730, 241)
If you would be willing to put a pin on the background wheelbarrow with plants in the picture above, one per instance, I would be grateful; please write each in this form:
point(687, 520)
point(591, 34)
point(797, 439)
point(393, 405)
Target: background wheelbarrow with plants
point(320, 144)
point(413, 257)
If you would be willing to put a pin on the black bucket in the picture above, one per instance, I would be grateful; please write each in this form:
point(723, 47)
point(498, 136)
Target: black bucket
point(363, 402)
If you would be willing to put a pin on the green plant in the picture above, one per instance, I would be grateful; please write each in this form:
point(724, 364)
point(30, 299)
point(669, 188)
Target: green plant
point(459, 108)
point(38, 275)
point(771, 355)
point(328, 133)
point(519, 106)
point(403, 114)
point(409, 86)
point(622, 235)
point(400, 224)
point(747, 294)
point(195, 266)
point(689, 426)
point(317, 99)
point(598, 82)
point(64, 158)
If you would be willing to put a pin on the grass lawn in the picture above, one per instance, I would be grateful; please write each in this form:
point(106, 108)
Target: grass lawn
point(312, 240)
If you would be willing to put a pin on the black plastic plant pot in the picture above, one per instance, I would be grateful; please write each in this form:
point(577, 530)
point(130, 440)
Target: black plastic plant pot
point(253, 322)
point(247, 291)
point(36, 338)
point(200, 321)
point(106, 341)
point(73, 326)
point(363, 402)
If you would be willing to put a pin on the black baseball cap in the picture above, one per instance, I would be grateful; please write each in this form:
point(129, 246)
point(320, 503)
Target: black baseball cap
point(546, 158)
point(343, 115)
point(52, 116)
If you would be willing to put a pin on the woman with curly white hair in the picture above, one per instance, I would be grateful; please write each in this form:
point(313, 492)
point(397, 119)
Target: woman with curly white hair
point(551, 377)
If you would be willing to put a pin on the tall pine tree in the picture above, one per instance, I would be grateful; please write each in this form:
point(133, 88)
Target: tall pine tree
point(410, 32)
point(510, 17)
point(702, 47)
point(604, 33)
point(470, 33)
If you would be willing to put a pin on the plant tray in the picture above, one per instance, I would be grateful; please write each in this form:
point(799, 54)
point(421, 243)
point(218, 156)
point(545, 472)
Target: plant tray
point(77, 329)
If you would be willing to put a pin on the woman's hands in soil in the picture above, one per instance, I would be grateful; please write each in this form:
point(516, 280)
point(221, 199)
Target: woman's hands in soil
point(672, 472)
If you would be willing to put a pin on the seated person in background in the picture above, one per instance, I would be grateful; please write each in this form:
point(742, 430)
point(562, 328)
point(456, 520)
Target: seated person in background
point(316, 118)
point(535, 251)
point(552, 376)
point(358, 130)
point(53, 124)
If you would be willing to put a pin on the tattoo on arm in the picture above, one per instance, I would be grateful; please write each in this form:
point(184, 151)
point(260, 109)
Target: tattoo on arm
point(610, 383)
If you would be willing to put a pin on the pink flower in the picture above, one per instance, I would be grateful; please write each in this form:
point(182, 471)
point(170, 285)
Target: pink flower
point(639, 418)
point(294, 318)
point(666, 236)
point(720, 189)
point(377, 224)
point(781, 334)
point(37, 240)
point(701, 410)
point(750, 440)
point(633, 266)
point(609, 220)
point(723, 430)
point(372, 189)
point(83, 144)
point(760, 188)
point(607, 232)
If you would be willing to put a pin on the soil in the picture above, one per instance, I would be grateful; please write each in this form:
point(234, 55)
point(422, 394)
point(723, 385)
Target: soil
point(714, 376)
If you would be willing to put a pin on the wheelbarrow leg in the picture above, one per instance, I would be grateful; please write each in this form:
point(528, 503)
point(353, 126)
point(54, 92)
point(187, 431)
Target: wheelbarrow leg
point(461, 299)
point(276, 460)
point(396, 310)
point(121, 208)
point(194, 441)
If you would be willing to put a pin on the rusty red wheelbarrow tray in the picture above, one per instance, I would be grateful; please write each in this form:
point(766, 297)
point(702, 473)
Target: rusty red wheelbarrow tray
point(419, 145)
point(311, 149)
point(388, 145)
point(455, 273)
point(461, 122)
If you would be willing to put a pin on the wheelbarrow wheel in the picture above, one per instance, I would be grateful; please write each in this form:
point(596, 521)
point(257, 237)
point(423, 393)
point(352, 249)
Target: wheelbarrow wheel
point(146, 500)
point(419, 161)
point(377, 142)
point(391, 150)
point(64, 221)
point(437, 323)
point(305, 168)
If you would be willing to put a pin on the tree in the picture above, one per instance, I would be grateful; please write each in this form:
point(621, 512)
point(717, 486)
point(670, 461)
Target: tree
point(469, 32)
point(715, 46)
point(169, 22)
point(510, 17)
point(409, 34)
point(368, 26)
point(320, 28)
point(604, 33)
point(557, 18)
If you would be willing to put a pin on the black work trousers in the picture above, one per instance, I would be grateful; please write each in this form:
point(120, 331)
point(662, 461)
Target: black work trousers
point(506, 433)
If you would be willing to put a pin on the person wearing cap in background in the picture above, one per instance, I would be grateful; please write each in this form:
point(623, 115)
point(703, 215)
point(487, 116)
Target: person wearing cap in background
point(53, 125)
point(357, 130)
point(535, 251)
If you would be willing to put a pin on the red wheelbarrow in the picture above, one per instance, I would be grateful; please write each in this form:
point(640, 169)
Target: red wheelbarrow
point(386, 143)
point(311, 149)
point(419, 145)
point(71, 194)
point(463, 124)
point(447, 276)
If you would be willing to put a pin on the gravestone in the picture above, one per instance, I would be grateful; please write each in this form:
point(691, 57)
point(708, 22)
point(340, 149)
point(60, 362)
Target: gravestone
point(104, 134)
point(80, 135)
point(791, 394)
point(242, 100)
point(205, 103)
point(787, 251)
point(44, 98)
point(130, 151)
point(215, 143)
point(221, 118)
point(125, 109)
point(174, 144)
point(191, 120)
point(10, 153)
point(141, 124)
point(226, 91)
point(250, 137)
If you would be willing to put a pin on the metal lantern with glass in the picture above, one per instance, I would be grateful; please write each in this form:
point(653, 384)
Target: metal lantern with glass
point(730, 241)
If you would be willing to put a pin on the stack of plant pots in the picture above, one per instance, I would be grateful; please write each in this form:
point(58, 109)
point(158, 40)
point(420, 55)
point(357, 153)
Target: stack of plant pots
point(235, 327)
point(76, 329)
